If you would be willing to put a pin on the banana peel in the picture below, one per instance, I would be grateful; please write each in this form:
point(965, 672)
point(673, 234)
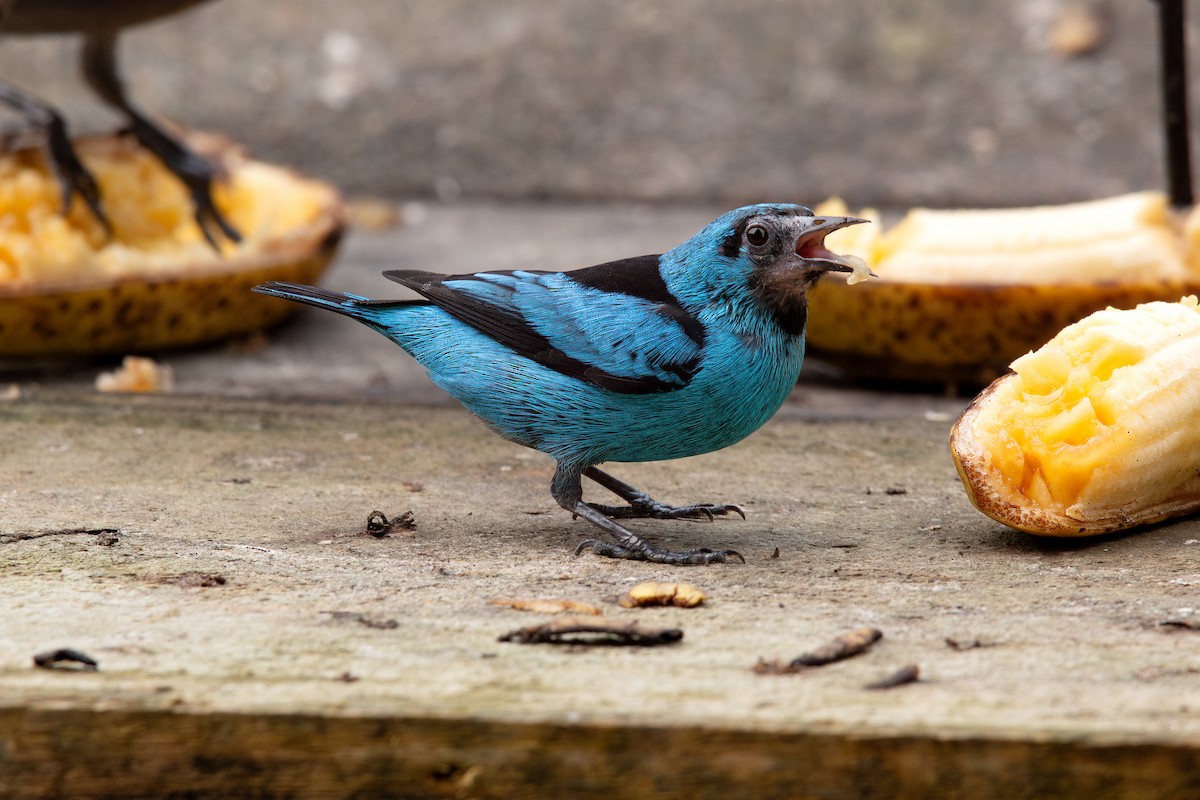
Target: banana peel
point(960, 294)
point(69, 289)
point(970, 333)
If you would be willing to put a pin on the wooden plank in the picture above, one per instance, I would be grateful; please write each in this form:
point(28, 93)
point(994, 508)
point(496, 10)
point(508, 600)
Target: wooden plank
point(94, 755)
point(327, 662)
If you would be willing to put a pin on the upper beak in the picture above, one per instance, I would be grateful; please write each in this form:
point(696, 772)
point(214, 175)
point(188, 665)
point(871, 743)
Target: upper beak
point(811, 245)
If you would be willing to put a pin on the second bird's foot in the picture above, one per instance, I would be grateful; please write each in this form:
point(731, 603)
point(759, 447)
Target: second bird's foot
point(653, 509)
point(74, 179)
point(197, 173)
point(657, 555)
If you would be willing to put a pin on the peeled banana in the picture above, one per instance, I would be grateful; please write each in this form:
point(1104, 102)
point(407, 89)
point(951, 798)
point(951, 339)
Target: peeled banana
point(962, 293)
point(1095, 431)
point(68, 288)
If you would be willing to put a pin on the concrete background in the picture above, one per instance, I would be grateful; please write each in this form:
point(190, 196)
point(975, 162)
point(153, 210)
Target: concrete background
point(697, 101)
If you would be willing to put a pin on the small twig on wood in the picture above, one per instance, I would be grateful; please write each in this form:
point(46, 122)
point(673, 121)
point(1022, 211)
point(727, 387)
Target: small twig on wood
point(193, 580)
point(379, 526)
point(968, 644)
point(1181, 624)
point(592, 631)
point(843, 647)
point(906, 674)
point(23, 536)
point(65, 658)
point(378, 623)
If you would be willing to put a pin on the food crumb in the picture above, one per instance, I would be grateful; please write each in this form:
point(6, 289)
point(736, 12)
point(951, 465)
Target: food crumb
point(539, 605)
point(137, 375)
point(653, 593)
point(1078, 30)
point(373, 214)
point(860, 269)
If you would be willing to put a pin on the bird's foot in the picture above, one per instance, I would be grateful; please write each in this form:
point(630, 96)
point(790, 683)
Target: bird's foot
point(633, 547)
point(657, 555)
point(196, 172)
point(73, 177)
point(210, 219)
point(649, 508)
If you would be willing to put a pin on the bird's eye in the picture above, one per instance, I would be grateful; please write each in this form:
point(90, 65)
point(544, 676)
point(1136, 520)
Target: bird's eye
point(756, 235)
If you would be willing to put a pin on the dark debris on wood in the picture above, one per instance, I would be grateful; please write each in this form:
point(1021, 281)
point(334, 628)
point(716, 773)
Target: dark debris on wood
point(593, 631)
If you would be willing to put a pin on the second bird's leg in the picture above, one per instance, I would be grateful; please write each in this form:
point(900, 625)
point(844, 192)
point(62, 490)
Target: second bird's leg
point(643, 506)
point(196, 171)
point(567, 489)
point(73, 177)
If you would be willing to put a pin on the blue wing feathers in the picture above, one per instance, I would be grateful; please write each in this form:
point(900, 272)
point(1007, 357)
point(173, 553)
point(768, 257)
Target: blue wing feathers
point(620, 341)
point(614, 325)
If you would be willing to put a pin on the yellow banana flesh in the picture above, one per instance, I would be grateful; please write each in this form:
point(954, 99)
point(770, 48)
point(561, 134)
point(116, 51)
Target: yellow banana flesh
point(1114, 239)
point(1094, 432)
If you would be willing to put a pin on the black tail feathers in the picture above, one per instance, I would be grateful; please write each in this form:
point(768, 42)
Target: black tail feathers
point(335, 301)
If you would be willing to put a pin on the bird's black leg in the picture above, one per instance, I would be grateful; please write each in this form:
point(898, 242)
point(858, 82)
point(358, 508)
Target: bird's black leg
point(196, 172)
point(642, 505)
point(73, 177)
point(567, 489)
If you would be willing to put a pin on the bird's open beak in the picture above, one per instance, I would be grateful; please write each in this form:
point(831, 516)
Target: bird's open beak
point(811, 246)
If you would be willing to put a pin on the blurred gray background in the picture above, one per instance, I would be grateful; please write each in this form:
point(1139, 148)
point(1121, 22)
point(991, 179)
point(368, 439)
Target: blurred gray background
point(694, 101)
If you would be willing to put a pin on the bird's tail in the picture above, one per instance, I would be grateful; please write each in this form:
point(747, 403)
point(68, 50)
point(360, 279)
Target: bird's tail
point(364, 309)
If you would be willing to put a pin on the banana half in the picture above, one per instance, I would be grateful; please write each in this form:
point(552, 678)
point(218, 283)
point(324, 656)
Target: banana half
point(962, 293)
point(68, 288)
point(1095, 431)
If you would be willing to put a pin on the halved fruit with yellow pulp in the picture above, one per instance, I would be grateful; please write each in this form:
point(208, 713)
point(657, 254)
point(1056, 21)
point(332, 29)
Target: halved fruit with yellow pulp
point(962, 293)
point(1094, 432)
point(67, 288)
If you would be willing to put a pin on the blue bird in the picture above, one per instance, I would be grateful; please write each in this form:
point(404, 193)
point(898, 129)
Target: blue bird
point(644, 359)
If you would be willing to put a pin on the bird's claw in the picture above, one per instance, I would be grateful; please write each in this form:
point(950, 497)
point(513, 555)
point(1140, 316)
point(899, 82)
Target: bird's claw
point(655, 510)
point(657, 555)
point(73, 177)
point(198, 175)
point(208, 218)
point(725, 509)
point(195, 171)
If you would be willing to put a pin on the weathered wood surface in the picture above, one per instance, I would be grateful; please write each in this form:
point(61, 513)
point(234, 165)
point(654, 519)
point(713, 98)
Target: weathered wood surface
point(255, 687)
